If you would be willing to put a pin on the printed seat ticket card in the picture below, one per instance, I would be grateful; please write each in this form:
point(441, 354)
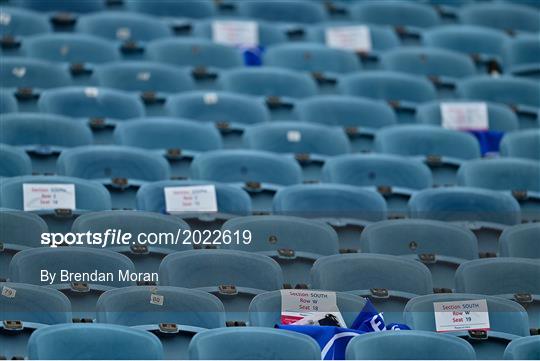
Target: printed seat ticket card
point(243, 34)
point(48, 196)
point(191, 199)
point(465, 116)
point(355, 38)
point(313, 308)
point(461, 315)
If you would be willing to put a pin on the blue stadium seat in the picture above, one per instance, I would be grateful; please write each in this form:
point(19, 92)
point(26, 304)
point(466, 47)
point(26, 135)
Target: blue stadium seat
point(184, 312)
point(293, 11)
point(122, 169)
point(388, 281)
point(79, 342)
point(16, 24)
point(280, 87)
point(235, 279)
point(485, 46)
point(231, 201)
point(265, 309)
point(442, 67)
point(485, 212)
point(18, 231)
point(8, 102)
point(522, 56)
point(520, 94)
point(403, 92)
point(360, 117)
point(500, 117)
point(253, 343)
point(14, 162)
point(64, 5)
point(178, 9)
point(418, 345)
point(519, 176)
point(441, 149)
point(524, 348)
point(145, 256)
point(26, 267)
point(178, 140)
point(346, 208)
point(509, 17)
point(230, 112)
point(38, 135)
point(295, 243)
point(520, 241)
point(31, 308)
point(521, 144)
point(310, 144)
point(512, 278)
point(507, 320)
point(441, 246)
point(260, 173)
point(396, 178)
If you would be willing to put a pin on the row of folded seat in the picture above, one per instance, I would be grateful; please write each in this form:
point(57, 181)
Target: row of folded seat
point(236, 293)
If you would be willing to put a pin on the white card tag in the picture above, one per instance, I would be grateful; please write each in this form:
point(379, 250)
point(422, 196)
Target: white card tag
point(157, 299)
point(123, 33)
point(465, 116)
point(306, 307)
point(356, 38)
point(294, 136)
point(461, 315)
point(8, 292)
point(191, 199)
point(48, 196)
point(236, 33)
point(5, 18)
point(19, 72)
point(210, 98)
point(144, 76)
point(91, 92)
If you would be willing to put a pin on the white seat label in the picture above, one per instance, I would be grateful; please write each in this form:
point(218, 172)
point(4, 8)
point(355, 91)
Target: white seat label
point(465, 116)
point(294, 136)
point(190, 199)
point(356, 38)
point(461, 315)
point(48, 196)
point(156, 299)
point(8, 292)
point(244, 34)
point(307, 307)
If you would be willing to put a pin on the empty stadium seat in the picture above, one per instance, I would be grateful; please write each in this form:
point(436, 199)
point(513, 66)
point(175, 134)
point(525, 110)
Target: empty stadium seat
point(28, 309)
point(178, 140)
point(396, 178)
point(38, 135)
point(521, 144)
point(18, 230)
point(103, 108)
point(441, 149)
point(180, 9)
point(519, 176)
point(522, 56)
point(520, 241)
point(521, 95)
point(122, 169)
point(500, 117)
point(442, 247)
point(346, 208)
point(295, 243)
point(15, 25)
point(93, 342)
point(507, 321)
point(183, 311)
point(8, 102)
point(64, 5)
point(236, 276)
point(310, 144)
point(279, 87)
point(145, 255)
point(524, 348)
point(388, 281)
point(509, 17)
point(292, 11)
point(258, 172)
point(14, 162)
point(403, 92)
point(360, 117)
point(28, 265)
point(230, 112)
point(418, 345)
